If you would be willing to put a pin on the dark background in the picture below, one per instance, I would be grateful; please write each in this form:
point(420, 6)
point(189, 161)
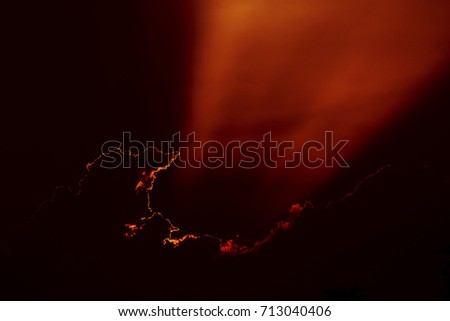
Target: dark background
point(79, 73)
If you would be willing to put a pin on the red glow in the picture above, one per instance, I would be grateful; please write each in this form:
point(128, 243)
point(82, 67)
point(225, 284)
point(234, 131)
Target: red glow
point(299, 68)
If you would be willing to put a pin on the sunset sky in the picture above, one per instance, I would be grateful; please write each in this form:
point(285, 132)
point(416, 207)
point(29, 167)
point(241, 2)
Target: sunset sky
point(81, 73)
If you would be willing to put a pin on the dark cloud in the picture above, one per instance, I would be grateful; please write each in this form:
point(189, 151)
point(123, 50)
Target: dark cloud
point(102, 72)
point(384, 240)
point(105, 228)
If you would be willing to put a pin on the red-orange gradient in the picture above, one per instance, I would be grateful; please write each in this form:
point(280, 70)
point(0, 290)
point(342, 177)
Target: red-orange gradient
point(301, 67)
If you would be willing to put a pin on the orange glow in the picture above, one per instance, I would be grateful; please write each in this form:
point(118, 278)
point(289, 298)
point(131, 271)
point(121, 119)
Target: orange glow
point(146, 180)
point(299, 68)
point(230, 247)
point(148, 176)
point(132, 229)
point(176, 242)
